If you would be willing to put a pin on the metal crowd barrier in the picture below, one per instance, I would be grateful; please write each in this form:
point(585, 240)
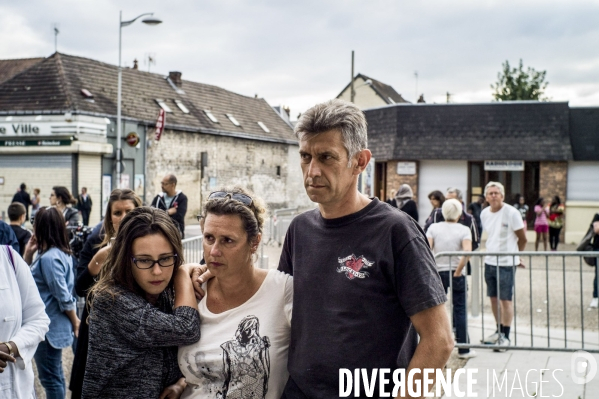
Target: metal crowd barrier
point(279, 223)
point(193, 249)
point(568, 325)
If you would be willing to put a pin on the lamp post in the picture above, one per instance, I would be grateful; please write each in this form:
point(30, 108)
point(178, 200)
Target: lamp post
point(148, 21)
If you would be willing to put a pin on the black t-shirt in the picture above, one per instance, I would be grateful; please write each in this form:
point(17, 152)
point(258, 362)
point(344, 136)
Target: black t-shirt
point(23, 237)
point(357, 279)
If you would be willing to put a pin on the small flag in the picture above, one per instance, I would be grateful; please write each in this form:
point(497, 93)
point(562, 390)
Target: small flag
point(160, 125)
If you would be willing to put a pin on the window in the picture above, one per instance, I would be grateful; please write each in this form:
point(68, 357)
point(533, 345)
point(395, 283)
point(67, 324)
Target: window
point(233, 120)
point(163, 105)
point(86, 93)
point(263, 126)
point(181, 106)
point(210, 116)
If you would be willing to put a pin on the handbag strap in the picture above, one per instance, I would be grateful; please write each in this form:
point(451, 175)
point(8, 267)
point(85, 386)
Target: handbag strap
point(12, 260)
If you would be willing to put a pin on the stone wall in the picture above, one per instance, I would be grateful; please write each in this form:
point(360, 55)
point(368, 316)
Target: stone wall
point(263, 167)
point(553, 177)
point(394, 180)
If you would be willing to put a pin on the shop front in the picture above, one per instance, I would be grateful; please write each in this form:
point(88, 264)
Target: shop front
point(44, 151)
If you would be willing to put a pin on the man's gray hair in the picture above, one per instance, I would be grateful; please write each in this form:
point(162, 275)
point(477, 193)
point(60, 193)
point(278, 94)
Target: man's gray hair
point(456, 191)
point(495, 184)
point(340, 115)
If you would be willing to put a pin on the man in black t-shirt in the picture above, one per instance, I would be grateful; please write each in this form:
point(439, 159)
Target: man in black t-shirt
point(365, 281)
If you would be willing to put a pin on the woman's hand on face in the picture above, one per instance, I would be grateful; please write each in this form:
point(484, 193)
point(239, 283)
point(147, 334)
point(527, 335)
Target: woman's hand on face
point(31, 245)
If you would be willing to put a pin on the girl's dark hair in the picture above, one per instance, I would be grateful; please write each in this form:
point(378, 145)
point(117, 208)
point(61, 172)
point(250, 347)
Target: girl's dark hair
point(117, 194)
point(50, 230)
point(438, 195)
point(64, 194)
point(540, 201)
point(555, 201)
point(117, 270)
point(252, 216)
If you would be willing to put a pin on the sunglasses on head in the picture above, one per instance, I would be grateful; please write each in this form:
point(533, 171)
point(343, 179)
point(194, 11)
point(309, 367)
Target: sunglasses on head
point(244, 199)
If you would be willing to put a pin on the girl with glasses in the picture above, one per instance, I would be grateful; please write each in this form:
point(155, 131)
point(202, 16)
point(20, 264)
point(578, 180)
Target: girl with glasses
point(136, 321)
point(92, 257)
point(246, 312)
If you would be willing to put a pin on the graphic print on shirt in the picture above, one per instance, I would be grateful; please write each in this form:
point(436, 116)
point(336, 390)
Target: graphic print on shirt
point(352, 266)
point(245, 365)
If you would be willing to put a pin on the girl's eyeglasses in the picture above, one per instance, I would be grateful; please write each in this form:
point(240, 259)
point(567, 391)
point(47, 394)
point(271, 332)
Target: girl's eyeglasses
point(147, 263)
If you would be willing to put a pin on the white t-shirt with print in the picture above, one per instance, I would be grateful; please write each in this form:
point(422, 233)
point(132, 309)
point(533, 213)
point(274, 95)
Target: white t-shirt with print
point(501, 237)
point(448, 237)
point(242, 352)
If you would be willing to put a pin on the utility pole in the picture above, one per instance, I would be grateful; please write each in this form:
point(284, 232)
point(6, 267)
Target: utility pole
point(352, 92)
point(56, 32)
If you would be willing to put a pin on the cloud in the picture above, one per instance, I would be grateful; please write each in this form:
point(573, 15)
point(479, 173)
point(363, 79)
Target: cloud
point(298, 53)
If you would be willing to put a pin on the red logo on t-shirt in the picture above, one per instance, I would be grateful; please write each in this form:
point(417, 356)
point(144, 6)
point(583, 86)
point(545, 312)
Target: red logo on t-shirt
point(352, 266)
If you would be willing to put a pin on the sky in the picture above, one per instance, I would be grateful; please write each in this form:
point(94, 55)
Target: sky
point(298, 53)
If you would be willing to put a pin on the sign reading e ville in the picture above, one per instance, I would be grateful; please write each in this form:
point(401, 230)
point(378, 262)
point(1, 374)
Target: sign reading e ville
point(21, 129)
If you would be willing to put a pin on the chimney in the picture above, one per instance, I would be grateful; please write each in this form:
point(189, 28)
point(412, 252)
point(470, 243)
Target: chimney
point(175, 77)
point(135, 64)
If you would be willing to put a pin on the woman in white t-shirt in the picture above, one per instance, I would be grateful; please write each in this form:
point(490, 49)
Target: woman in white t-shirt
point(246, 312)
point(452, 236)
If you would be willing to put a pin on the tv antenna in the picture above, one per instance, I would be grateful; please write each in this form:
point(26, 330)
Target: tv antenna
point(56, 32)
point(149, 60)
point(416, 78)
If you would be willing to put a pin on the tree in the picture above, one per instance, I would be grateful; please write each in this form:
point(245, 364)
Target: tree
point(516, 84)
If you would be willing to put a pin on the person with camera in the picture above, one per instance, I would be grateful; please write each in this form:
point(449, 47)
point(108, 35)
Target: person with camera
point(92, 257)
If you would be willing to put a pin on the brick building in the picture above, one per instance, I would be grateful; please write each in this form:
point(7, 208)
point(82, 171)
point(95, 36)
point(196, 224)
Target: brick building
point(536, 149)
point(71, 102)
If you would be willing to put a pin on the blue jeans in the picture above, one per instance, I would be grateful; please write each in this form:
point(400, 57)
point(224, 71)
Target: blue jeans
point(49, 368)
point(459, 307)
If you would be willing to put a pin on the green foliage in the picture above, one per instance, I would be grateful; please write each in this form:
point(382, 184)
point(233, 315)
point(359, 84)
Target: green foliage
point(516, 84)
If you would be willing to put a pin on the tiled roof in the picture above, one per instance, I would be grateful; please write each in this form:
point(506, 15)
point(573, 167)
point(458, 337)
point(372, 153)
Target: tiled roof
point(522, 130)
point(383, 90)
point(54, 85)
point(11, 68)
point(584, 132)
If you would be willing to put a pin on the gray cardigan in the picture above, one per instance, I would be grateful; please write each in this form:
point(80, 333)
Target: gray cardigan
point(133, 345)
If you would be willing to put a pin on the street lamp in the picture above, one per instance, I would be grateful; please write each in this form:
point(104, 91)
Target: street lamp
point(149, 21)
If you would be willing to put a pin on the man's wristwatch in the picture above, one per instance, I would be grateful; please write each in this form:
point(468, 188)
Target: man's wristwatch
point(11, 351)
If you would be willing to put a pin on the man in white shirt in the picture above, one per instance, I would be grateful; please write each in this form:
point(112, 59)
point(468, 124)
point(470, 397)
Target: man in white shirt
point(505, 231)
